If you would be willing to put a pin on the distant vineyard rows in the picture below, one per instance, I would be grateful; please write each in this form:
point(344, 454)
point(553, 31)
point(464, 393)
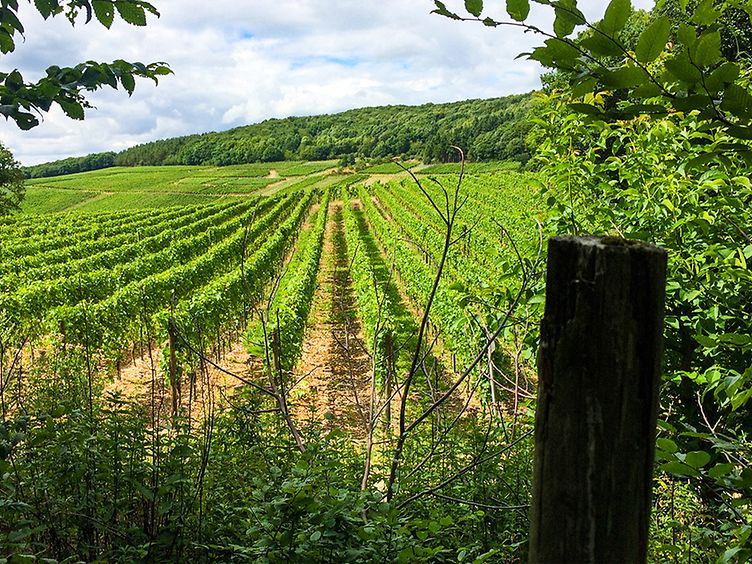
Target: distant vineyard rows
point(112, 280)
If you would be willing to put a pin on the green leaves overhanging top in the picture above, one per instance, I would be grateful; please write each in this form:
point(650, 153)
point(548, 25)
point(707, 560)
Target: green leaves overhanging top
point(682, 67)
point(24, 102)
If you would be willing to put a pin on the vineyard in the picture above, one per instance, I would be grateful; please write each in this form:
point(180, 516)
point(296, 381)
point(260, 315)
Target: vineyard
point(158, 187)
point(285, 362)
point(311, 308)
point(501, 330)
point(102, 279)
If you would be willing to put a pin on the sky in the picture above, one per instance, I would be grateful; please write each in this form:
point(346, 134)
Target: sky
point(237, 62)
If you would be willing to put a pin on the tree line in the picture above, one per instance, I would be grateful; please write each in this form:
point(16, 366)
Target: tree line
point(493, 129)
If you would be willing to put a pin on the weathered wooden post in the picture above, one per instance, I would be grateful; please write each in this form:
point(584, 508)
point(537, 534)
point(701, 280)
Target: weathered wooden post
point(173, 366)
point(388, 377)
point(277, 350)
point(599, 369)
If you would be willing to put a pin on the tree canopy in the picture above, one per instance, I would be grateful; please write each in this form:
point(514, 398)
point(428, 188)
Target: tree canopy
point(493, 129)
point(11, 183)
point(678, 64)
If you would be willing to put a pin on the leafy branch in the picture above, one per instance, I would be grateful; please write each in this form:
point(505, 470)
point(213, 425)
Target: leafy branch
point(24, 102)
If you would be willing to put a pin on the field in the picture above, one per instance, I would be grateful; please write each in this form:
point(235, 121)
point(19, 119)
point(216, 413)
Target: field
point(302, 304)
point(179, 357)
point(181, 250)
point(156, 187)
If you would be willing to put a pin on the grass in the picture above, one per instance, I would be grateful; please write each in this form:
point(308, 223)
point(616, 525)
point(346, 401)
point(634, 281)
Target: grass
point(49, 200)
point(134, 200)
point(179, 179)
point(470, 168)
point(128, 188)
point(184, 179)
point(389, 168)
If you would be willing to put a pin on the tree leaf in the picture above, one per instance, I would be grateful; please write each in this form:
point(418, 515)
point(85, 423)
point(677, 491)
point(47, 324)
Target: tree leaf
point(721, 77)
point(679, 469)
point(599, 44)
point(567, 17)
point(682, 69)
point(47, 8)
point(518, 10)
point(653, 40)
point(72, 109)
point(25, 120)
point(556, 53)
point(647, 90)
point(9, 19)
point(128, 82)
point(104, 11)
point(616, 17)
point(624, 77)
point(7, 44)
point(687, 35)
point(737, 100)
point(666, 445)
point(442, 10)
point(707, 50)
point(697, 458)
point(720, 470)
point(583, 86)
point(705, 13)
point(586, 109)
point(739, 131)
point(131, 12)
point(475, 7)
point(691, 103)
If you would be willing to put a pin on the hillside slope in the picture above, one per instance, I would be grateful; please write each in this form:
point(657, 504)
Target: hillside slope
point(493, 129)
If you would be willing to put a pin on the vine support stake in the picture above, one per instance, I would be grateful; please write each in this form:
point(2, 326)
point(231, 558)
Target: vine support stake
point(173, 366)
point(599, 371)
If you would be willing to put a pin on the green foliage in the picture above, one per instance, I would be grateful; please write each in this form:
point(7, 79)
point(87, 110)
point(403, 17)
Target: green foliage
point(105, 485)
point(51, 200)
point(487, 129)
point(652, 179)
point(20, 100)
point(96, 477)
point(690, 72)
point(291, 304)
point(650, 140)
point(71, 165)
point(167, 179)
point(116, 188)
point(470, 168)
point(12, 189)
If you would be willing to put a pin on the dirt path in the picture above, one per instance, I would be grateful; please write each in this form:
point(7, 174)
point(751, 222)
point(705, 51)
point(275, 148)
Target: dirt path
point(334, 367)
point(385, 178)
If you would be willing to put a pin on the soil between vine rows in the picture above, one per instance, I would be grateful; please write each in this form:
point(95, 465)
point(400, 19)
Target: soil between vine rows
point(335, 366)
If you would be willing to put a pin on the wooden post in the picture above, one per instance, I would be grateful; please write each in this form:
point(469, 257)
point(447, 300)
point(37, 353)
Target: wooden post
point(173, 367)
point(277, 351)
point(389, 346)
point(599, 369)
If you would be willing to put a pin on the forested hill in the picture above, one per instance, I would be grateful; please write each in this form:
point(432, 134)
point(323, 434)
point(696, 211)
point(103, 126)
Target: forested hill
point(492, 129)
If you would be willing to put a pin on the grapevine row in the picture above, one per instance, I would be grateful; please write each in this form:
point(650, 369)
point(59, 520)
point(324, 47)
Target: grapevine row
point(292, 302)
point(227, 298)
point(117, 319)
point(36, 298)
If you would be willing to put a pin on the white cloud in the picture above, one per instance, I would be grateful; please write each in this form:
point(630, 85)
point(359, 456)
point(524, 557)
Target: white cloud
point(242, 62)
